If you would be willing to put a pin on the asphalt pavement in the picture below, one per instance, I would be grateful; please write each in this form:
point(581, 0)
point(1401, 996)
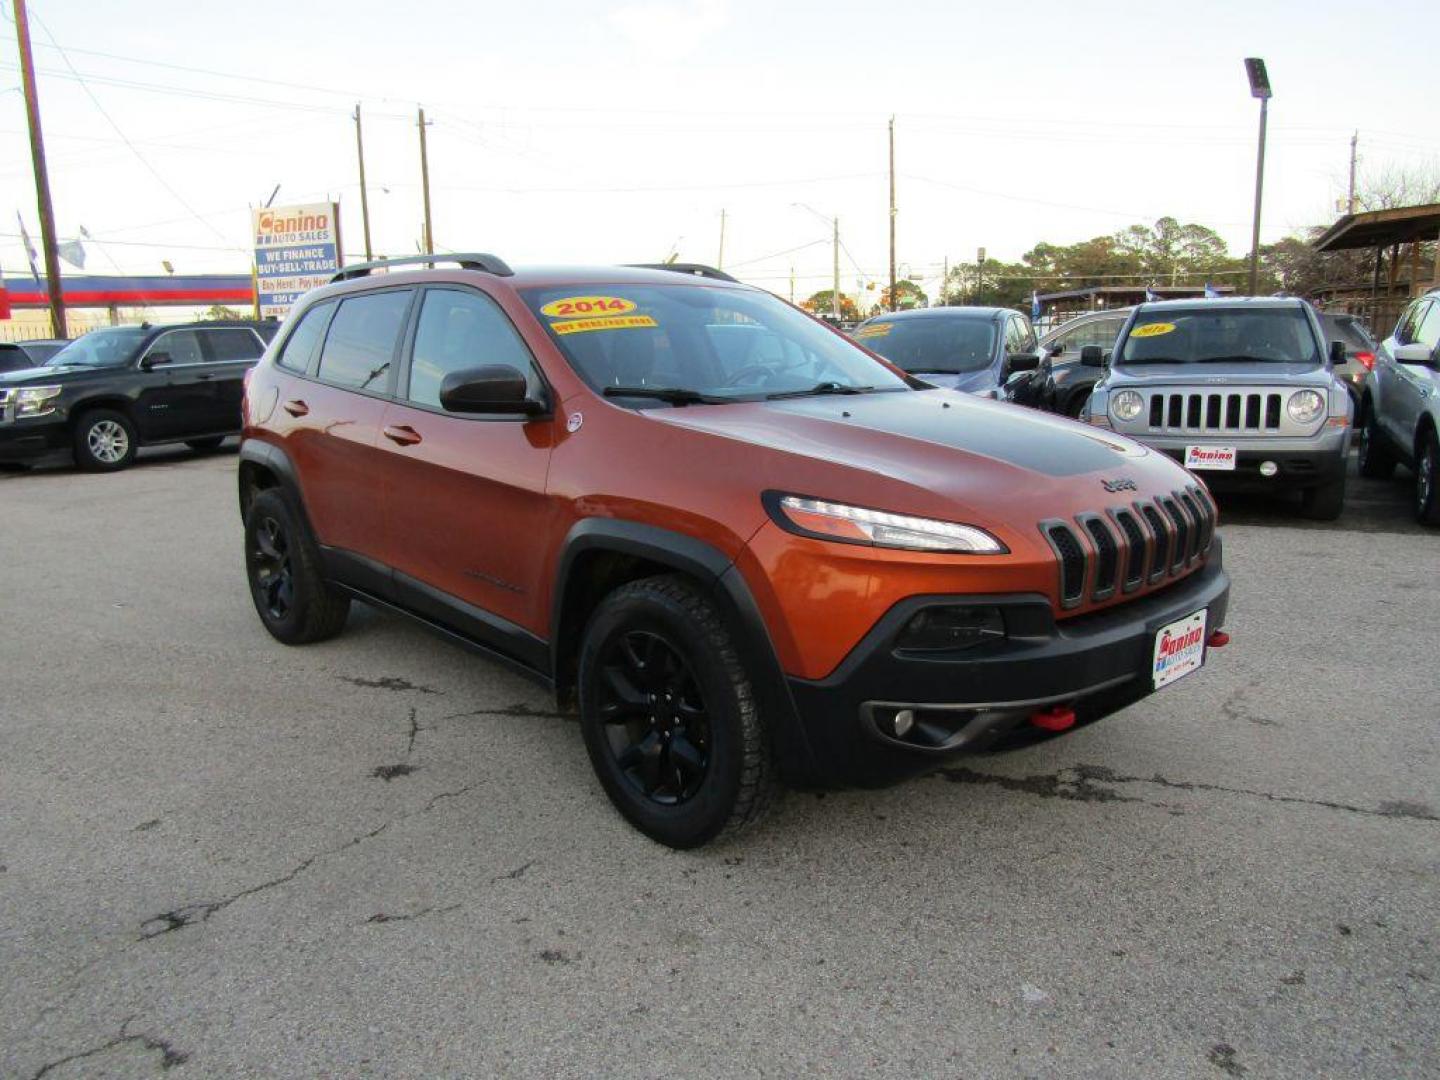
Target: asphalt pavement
point(382, 856)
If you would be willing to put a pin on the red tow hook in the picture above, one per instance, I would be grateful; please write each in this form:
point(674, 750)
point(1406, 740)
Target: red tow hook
point(1218, 639)
point(1058, 718)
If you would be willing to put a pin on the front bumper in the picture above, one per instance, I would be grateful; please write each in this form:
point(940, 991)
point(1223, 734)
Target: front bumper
point(26, 439)
point(1095, 664)
point(1300, 463)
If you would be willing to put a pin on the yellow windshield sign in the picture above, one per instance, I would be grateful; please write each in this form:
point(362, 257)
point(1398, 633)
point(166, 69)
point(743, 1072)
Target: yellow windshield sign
point(1154, 329)
point(575, 307)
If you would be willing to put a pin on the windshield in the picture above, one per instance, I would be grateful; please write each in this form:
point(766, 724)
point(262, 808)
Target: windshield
point(101, 348)
point(723, 343)
point(950, 346)
point(1215, 334)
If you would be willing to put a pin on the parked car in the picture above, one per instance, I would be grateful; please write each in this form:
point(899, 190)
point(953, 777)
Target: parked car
point(1073, 380)
point(19, 355)
point(1242, 390)
point(980, 350)
point(113, 390)
point(1359, 352)
point(1401, 405)
point(747, 548)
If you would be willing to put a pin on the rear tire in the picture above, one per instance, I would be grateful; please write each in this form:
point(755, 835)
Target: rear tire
point(1377, 460)
point(105, 441)
point(293, 599)
point(1427, 480)
point(205, 445)
point(669, 716)
point(1076, 404)
point(1325, 502)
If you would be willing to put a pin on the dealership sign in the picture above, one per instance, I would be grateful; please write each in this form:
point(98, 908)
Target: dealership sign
point(297, 248)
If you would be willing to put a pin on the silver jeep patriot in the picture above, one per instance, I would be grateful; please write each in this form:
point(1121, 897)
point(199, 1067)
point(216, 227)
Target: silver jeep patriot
point(1241, 391)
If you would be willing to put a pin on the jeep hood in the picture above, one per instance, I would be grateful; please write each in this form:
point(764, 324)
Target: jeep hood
point(928, 448)
point(1230, 373)
point(971, 382)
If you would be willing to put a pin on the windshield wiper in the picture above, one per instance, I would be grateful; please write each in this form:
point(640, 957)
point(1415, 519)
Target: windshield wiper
point(674, 395)
point(1154, 360)
point(830, 387)
point(1241, 358)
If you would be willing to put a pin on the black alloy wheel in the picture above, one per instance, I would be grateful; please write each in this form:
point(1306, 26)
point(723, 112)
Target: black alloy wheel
point(1374, 458)
point(1427, 481)
point(272, 573)
point(656, 725)
point(669, 715)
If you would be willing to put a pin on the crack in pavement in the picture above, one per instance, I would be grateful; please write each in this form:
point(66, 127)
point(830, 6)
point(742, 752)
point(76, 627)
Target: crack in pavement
point(519, 708)
point(517, 873)
point(382, 917)
point(414, 731)
point(189, 914)
point(388, 682)
point(169, 1059)
point(1080, 784)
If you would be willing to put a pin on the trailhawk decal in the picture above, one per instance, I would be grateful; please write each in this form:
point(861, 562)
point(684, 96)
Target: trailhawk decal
point(1210, 457)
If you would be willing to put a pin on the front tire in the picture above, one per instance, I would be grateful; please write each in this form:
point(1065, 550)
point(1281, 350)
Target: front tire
point(1427, 480)
point(1376, 459)
point(293, 599)
point(669, 717)
point(105, 441)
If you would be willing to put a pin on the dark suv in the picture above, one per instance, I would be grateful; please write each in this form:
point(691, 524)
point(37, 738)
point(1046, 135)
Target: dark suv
point(110, 391)
point(745, 546)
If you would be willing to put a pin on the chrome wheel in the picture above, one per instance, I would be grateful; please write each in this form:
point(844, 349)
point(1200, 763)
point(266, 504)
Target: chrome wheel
point(108, 442)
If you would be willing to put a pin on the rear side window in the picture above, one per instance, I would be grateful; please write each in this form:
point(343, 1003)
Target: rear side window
point(360, 344)
point(1428, 332)
point(231, 345)
point(1102, 332)
point(300, 347)
point(181, 346)
point(457, 330)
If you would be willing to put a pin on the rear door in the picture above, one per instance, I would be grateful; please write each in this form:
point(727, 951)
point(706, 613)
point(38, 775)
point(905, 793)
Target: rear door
point(332, 417)
point(1414, 382)
point(465, 499)
point(232, 351)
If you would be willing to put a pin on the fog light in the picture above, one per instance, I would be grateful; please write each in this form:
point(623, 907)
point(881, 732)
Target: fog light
point(1268, 468)
point(903, 722)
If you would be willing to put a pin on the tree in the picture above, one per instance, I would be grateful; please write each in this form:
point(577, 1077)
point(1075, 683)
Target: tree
point(820, 304)
point(221, 312)
point(907, 293)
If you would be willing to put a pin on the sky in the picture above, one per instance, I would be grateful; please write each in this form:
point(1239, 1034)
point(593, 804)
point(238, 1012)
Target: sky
point(602, 132)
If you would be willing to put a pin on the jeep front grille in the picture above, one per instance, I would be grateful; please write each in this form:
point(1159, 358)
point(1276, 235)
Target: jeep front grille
point(1225, 413)
point(1130, 546)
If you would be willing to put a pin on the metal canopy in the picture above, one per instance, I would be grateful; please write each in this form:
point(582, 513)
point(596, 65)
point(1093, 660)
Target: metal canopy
point(1382, 228)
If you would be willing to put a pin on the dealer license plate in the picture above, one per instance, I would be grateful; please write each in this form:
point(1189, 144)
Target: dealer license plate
point(1179, 648)
point(1210, 457)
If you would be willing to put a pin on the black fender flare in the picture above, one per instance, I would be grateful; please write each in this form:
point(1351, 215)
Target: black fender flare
point(726, 585)
point(275, 461)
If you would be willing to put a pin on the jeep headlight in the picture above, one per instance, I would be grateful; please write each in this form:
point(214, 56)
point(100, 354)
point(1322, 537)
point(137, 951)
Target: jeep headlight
point(1305, 406)
point(1126, 405)
point(877, 528)
point(36, 400)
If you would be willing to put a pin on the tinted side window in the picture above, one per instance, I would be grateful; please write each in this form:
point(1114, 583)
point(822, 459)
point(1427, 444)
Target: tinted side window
point(462, 330)
point(299, 348)
point(1100, 332)
point(228, 345)
point(1409, 319)
point(1027, 334)
point(1427, 333)
point(360, 343)
point(182, 346)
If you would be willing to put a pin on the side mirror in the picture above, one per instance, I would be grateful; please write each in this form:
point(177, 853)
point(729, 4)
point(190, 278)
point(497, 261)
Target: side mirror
point(494, 388)
point(1055, 348)
point(1337, 354)
point(1092, 356)
point(1414, 353)
point(154, 359)
point(1022, 361)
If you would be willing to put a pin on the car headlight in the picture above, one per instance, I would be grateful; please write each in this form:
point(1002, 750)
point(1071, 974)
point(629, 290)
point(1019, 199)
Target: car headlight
point(1126, 405)
point(878, 528)
point(1305, 406)
point(36, 400)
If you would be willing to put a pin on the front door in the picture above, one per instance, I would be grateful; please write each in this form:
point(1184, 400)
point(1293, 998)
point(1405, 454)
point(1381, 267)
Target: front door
point(174, 398)
point(465, 499)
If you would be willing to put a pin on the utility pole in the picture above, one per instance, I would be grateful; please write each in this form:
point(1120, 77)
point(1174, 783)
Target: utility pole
point(944, 279)
point(792, 283)
point(1259, 88)
point(425, 186)
point(1354, 143)
point(42, 175)
point(835, 289)
point(893, 297)
point(720, 262)
point(364, 200)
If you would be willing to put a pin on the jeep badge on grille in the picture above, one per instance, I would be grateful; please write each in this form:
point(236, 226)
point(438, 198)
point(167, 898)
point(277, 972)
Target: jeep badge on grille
point(1118, 485)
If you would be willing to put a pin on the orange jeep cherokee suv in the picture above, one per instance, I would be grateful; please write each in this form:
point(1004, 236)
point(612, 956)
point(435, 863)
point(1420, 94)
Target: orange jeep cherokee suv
point(746, 547)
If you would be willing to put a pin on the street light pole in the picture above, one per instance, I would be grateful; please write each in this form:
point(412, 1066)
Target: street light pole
point(1259, 88)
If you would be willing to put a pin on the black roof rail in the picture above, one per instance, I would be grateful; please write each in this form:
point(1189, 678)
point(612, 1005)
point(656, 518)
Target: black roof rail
point(470, 260)
point(693, 269)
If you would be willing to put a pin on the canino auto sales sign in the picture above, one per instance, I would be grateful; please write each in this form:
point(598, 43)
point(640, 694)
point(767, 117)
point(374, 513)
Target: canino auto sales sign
point(297, 248)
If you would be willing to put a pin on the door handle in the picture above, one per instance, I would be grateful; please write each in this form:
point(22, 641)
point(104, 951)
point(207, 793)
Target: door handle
point(402, 434)
point(204, 378)
point(297, 408)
